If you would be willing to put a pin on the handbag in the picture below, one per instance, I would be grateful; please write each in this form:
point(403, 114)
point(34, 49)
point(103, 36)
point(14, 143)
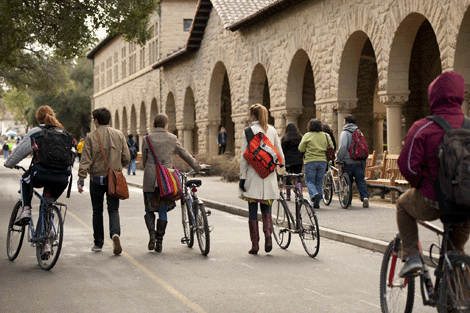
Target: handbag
point(330, 151)
point(117, 184)
point(168, 180)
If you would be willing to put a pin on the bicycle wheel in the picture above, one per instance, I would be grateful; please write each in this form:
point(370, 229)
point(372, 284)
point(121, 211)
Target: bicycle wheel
point(454, 292)
point(202, 230)
point(396, 294)
point(309, 230)
point(345, 191)
point(327, 188)
point(53, 236)
point(15, 233)
point(281, 223)
point(187, 222)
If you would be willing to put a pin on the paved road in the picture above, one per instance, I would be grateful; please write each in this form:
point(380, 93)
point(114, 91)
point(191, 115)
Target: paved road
point(343, 277)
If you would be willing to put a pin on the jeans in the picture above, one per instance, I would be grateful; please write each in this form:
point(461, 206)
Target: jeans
point(314, 172)
point(253, 210)
point(5, 155)
point(131, 163)
point(356, 170)
point(97, 193)
point(222, 149)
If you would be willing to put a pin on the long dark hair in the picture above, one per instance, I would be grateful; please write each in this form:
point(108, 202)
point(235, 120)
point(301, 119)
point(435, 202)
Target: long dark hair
point(292, 135)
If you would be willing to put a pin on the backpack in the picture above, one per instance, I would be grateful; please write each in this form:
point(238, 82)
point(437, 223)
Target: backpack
point(52, 148)
point(358, 149)
point(132, 150)
point(453, 184)
point(260, 153)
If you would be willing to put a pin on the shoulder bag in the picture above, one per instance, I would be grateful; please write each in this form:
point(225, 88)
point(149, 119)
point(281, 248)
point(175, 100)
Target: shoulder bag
point(330, 151)
point(117, 185)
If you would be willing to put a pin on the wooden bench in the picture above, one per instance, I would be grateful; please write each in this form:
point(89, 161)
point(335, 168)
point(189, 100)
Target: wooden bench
point(370, 162)
point(390, 174)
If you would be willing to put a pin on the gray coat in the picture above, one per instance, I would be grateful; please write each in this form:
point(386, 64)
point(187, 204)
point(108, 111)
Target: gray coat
point(165, 145)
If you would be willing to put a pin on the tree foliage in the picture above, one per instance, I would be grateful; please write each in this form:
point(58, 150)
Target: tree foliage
point(34, 32)
point(18, 102)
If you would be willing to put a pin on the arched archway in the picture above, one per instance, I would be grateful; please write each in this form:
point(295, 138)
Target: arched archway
point(117, 125)
point(124, 121)
point(142, 124)
point(259, 90)
point(300, 95)
point(171, 113)
point(133, 128)
point(190, 130)
point(153, 111)
point(462, 55)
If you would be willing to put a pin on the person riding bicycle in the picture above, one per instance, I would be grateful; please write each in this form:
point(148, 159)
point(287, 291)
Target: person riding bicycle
point(419, 164)
point(53, 181)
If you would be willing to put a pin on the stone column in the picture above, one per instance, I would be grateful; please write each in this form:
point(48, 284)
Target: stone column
point(378, 132)
point(292, 116)
point(213, 127)
point(283, 116)
point(188, 137)
point(465, 104)
point(241, 120)
point(329, 115)
point(394, 103)
point(343, 108)
point(179, 128)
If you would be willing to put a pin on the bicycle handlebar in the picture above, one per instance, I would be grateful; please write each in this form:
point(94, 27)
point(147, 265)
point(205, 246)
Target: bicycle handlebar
point(202, 171)
point(19, 167)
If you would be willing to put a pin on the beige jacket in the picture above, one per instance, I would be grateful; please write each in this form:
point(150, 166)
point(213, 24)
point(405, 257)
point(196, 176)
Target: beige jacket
point(257, 187)
point(165, 145)
point(115, 149)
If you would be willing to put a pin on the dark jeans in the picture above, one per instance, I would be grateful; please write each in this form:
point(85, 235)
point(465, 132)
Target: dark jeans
point(222, 149)
point(54, 183)
point(356, 171)
point(97, 193)
point(253, 210)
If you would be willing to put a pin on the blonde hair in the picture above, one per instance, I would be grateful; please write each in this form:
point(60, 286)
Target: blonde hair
point(45, 115)
point(261, 114)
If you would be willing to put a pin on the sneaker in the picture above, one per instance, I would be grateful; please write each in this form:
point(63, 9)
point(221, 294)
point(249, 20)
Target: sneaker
point(95, 248)
point(133, 173)
point(365, 202)
point(116, 244)
point(412, 265)
point(24, 218)
point(316, 201)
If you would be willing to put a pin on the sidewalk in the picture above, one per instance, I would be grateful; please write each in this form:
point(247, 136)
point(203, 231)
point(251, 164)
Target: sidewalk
point(370, 228)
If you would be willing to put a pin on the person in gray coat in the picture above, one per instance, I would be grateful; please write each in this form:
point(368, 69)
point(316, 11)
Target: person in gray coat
point(165, 145)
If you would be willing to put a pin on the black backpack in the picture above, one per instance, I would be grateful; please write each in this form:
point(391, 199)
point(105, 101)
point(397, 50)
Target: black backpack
point(132, 149)
point(453, 185)
point(52, 148)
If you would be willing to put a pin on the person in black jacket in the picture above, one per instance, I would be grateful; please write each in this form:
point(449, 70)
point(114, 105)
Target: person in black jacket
point(326, 129)
point(294, 158)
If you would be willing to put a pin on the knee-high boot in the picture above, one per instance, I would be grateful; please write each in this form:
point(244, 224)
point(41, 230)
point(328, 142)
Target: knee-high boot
point(254, 236)
point(150, 222)
point(267, 229)
point(161, 226)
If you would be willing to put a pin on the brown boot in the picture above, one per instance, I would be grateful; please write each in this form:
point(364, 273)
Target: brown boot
point(150, 222)
point(161, 226)
point(267, 229)
point(254, 236)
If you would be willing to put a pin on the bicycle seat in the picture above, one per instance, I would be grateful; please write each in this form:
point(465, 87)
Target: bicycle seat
point(193, 182)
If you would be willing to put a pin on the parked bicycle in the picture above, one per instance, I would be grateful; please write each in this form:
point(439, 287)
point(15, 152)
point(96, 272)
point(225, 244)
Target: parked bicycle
point(304, 223)
point(194, 214)
point(451, 289)
point(339, 185)
point(47, 235)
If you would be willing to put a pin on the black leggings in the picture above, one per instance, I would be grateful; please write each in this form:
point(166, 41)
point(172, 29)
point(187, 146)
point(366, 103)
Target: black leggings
point(54, 184)
point(253, 210)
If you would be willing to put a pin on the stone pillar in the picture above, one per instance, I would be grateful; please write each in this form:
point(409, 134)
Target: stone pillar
point(329, 115)
point(241, 121)
point(378, 132)
point(343, 108)
point(283, 116)
point(188, 138)
point(292, 116)
point(394, 103)
point(465, 104)
point(213, 127)
point(179, 128)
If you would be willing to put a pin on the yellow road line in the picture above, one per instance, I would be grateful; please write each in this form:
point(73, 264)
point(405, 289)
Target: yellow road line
point(175, 293)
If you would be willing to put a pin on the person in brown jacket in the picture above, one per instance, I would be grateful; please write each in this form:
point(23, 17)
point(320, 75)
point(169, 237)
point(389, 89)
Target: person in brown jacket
point(165, 145)
point(117, 154)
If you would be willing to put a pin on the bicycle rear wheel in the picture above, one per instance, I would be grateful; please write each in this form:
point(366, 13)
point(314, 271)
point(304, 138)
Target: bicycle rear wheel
point(396, 294)
point(345, 191)
point(15, 233)
point(454, 292)
point(202, 230)
point(187, 222)
point(281, 223)
point(53, 236)
point(327, 188)
point(309, 229)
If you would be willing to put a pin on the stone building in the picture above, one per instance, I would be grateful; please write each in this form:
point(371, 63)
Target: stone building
point(302, 59)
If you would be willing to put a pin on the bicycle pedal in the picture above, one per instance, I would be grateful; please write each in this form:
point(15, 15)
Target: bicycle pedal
point(208, 212)
point(184, 240)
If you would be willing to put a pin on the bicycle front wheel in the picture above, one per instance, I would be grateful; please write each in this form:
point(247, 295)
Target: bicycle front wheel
point(327, 188)
point(281, 223)
point(187, 222)
point(454, 292)
point(396, 294)
point(309, 229)
point(15, 233)
point(53, 236)
point(202, 230)
point(345, 191)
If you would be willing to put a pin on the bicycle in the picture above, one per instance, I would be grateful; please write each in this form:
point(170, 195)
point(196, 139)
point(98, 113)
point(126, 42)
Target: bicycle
point(48, 235)
point(305, 222)
point(194, 215)
point(449, 293)
point(341, 186)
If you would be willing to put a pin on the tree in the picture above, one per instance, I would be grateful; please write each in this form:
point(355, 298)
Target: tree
point(19, 102)
point(36, 30)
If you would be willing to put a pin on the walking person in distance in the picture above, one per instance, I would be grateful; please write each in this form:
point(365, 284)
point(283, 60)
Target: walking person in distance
point(222, 140)
point(133, 150)
point(294, 158)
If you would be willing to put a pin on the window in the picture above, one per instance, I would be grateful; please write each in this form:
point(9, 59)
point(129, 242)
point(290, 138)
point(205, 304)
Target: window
point(187, 24)
point(124, 69)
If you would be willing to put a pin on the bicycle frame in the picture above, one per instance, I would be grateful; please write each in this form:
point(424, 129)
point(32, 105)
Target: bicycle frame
point(330, 171)
point(298, 198)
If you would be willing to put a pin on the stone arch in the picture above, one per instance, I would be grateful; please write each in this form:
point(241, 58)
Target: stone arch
point(259, 90)
point(117, 125)
point(300, 93)
point(171, 113)
point(124, 121)
point(153, 112)
point(462, 56)
point(133, 122)
point(190, 135)
point(142, 124)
